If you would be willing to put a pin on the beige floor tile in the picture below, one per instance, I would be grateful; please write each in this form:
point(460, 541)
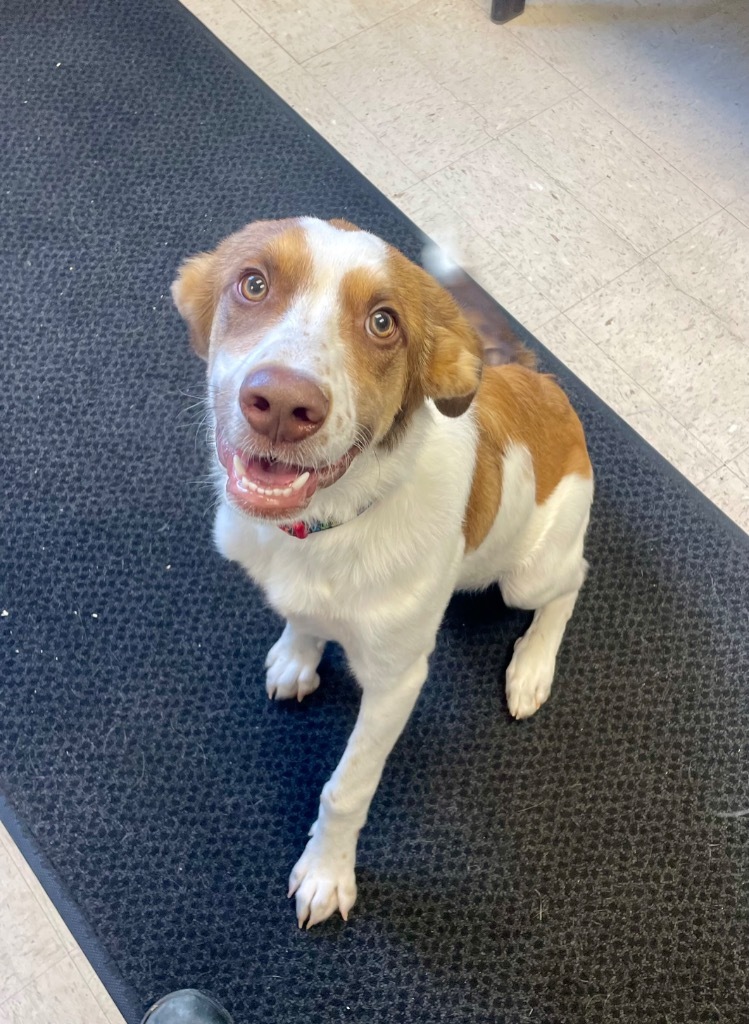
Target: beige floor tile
point(730, 493)
point(28, 942)
point(612, 173)
point(342, 130)
point(740, 210)
point(489, 69)
point(100, 994)
point(58, 996)
point(602, 375)
point(587, 39)
point(540, 228)
point(305, 29)
point(378, 79)
point(740, 465)
point(241, 34)
point(50, 911)
point(476, 255)
point(711, 262)
point(694, 115)
point(675, 348)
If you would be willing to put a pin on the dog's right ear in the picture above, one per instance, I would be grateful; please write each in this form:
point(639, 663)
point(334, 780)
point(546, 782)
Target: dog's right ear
point(195, 294)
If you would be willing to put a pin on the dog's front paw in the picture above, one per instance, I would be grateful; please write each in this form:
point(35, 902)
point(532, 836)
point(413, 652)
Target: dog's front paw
point(323, 883)
point(529, 676)
point(292, 666)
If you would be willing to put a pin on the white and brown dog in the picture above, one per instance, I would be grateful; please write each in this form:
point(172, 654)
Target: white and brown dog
point(367, 468)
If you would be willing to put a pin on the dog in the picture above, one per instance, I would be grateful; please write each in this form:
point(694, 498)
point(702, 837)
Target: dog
point(368, 464)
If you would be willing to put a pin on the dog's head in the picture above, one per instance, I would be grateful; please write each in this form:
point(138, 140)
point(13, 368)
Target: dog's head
point(321, 341)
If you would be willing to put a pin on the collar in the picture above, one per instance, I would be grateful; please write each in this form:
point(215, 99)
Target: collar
point(301, 530)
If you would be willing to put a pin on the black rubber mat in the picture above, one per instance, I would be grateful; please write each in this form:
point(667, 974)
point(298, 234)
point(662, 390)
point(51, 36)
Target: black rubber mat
point(587, 865)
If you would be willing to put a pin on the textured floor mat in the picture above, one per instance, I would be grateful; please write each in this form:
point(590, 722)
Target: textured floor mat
point(582, 866)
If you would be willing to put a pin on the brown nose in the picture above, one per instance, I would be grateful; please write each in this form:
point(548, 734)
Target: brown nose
point(282, 405)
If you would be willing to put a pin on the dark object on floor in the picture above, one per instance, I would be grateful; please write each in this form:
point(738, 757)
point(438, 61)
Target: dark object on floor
point(187, 1007)
point(575, 867)
point(506, 10)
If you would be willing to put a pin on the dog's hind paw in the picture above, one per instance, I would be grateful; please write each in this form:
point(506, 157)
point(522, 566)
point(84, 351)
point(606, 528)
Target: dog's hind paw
point(529, 676)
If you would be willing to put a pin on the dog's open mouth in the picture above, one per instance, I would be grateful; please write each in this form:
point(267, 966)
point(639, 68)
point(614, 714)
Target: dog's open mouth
point(271, 488)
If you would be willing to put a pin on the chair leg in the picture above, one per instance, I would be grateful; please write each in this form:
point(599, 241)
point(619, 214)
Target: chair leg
point(506, 10)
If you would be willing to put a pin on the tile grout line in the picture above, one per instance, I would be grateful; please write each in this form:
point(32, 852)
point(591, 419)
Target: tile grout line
point(83, 977)
point(647, 145)
point(529, 49)
point(663, 408)
point(49, 966)
point(542, 170)
point(665, 159)
point(354, 35)
point(257, 24)
point(695, 298)
point(579, 196)
point(555, 311)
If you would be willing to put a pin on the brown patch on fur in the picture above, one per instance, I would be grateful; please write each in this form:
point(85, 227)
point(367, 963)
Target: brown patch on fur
point(194, 294)
point(378, 367)
point(517, 405)
point(434, 353)
point(278, 249)
point(344, 225)
point(444, 350)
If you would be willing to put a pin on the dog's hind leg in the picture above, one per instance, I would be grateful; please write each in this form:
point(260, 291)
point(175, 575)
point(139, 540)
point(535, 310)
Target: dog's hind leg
point(549, 586)
point(531, 671)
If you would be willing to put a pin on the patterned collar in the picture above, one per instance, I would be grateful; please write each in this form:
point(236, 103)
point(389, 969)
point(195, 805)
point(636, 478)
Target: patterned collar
point(302, 530)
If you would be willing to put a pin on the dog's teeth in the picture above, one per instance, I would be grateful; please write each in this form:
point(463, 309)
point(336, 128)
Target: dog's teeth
point(239, 466)
point(300, 481)
point(286, 492)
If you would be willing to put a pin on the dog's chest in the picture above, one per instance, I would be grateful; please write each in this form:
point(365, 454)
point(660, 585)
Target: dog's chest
point(335, 583)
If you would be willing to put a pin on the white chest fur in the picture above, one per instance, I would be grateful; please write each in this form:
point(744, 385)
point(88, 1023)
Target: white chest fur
point(393, 563)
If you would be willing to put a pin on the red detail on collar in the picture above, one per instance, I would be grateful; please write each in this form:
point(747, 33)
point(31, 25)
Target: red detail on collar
point(296, 530)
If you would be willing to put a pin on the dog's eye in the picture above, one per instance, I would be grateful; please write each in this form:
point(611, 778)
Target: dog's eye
point(381, 324)
point(253, 286)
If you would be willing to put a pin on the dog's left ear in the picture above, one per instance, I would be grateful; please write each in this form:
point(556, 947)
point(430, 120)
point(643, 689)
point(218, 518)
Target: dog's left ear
point(453, 372)
point(195, 293)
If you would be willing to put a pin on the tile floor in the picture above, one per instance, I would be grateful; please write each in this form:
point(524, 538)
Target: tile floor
point(591, 162)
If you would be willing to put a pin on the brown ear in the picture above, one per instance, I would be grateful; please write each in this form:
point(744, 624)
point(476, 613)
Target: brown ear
point(195, 293)
point(453, 373)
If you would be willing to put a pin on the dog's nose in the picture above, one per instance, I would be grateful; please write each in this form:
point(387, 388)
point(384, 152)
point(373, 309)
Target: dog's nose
point(281, 404)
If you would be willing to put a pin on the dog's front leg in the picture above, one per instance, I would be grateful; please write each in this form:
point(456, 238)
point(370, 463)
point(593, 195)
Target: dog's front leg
point(292, 664)
point(323, 878)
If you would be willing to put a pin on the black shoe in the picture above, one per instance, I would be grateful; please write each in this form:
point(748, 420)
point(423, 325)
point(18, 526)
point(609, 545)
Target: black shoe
point(187, 1007)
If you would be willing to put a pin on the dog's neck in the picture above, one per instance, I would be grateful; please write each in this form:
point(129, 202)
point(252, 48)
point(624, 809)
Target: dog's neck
point(301, 530)
point(373, 475)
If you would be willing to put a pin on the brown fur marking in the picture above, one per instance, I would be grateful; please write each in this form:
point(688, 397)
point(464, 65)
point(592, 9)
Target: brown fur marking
point(515, 404)
point(278, 249)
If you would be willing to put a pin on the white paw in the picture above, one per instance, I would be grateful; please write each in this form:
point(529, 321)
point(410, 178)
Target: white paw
point(323, 883)
point(529, 676)
point(292, 667)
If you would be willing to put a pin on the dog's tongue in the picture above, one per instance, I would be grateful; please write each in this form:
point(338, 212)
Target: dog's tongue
point(272, 474)
point(263, 487)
